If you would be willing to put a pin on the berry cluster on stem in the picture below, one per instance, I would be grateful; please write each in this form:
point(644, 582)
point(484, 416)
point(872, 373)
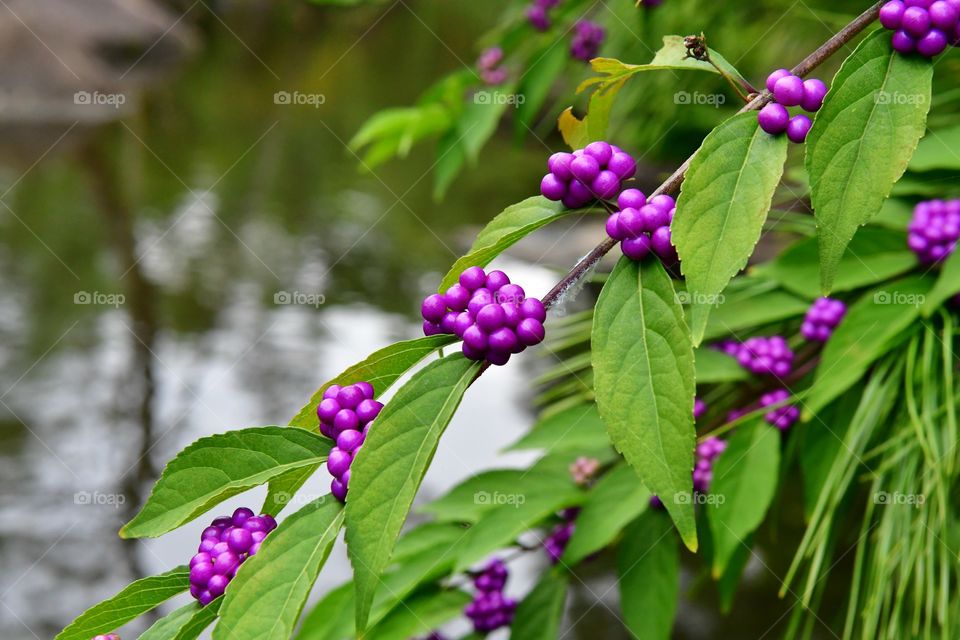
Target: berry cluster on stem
point(224, 546)
point(643, 226)
point(925, 27)
point(934, 230)
point(556, 543)
point(587, 39)
point(791, 91)
point(345, 415)
point(490, 609)
point(597, 171)
point(822, 318)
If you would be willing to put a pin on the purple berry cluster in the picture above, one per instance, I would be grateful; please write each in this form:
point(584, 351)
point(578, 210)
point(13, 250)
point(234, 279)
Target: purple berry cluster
point(583, 470)
point(488, 65)
point(934, 230)
point(791, 91)
point(823, 316)
point(345, 415)
point(643, 226)
point(782, 417)
point(224, 546)
point(587, 39)
point(490, 609)
point(707, 453)
point(556, 543)
point(766, 356)
point(106, 636)
point(596, 171)
point(493, 317)
point(922, 26)
point(538, 13)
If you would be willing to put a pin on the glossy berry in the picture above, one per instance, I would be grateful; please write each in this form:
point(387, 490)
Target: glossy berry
point(766, 356)
point(921, 26)
point(823, 316)
point(782, 417)
point(788, 91)
point(347, 411)
point(775, 76)
point(891, 14)
point(798, 127)
point(594, 172)
point(645, 230)
point(773, 118)
point(224, 546)
point(814, 91)
point(903, 42)
point(932, 44)
point(934, 230)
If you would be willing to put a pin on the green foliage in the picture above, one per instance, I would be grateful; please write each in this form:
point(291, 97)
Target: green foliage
point(861, 141)
point(723, 204)
point(186, 623)
point(388, 470)
point(421, 614)
point(644, 378)
point(134, 600)
point(648, 569)
point(948, 284)
point(538, 616)
point(573, 429)
point(218, 467)
point(938, 150)
point(265, 599)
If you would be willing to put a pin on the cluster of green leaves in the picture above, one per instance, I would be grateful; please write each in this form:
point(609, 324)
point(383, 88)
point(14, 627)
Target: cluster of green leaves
point(624, 395)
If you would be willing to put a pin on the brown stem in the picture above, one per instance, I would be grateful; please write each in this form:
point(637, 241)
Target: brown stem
point(808, 64)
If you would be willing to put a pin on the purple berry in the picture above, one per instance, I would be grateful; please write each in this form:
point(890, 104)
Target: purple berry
point(606, 185)
point(503, 340)
point(903, 42)
point(538, 18)
point(788, 91)
point(776, 75)
point(559, 166)
point(338, 461)
point(631, 199)
point(530, 332)
point(473, 278)
point(240, 540)
point(349, 397)
point(511, 293)
point(217, 585)
point(891, 14)
point(349, 441)
point(475, 339)
point(797, 128)
point(622, 165)
point(612, 227)
point(932, 44)
point(368, 410)
point(653, 217)
point(338, 489)
point(774, 118)
point(552, 188)
point(433, 308)
point(636, 248)
point(916, 21)
point(663, 201)
point(585, 168)
point(331, 392)
point(481, 298)
point(814, 91)
point(346, 419)
point(511, 314)
point(496, 280)
point(457, 297)
point(661, 244)
point(943, 15)
point(601, 151)
point(533, 308)
point(490, 318)
point(577, 196)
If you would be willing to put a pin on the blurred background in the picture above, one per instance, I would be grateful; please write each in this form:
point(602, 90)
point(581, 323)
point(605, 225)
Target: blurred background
point(184, 251)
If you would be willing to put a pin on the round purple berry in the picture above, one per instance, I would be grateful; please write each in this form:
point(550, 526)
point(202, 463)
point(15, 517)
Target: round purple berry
point(559, 166)
point(636, 248)
point(368, 410)
point(349, 441)
point(475, 339)
point(496, 280)
point(631, 199)
point(433, 308)
point(530, 332)
point(943, 15)
point(338, 461)
point(788, 91)
point(814, 91)
point(773, 118)
point(891, 14)
point(553, 188)
point(932, 44)
point(533, 308)
point(916, 21)
point(775, 76)
point(457, 297)
point(797, 128)
point(623, 165)
point(903, 42)
point(606, 185)
point(601, 151)
point(585, 168)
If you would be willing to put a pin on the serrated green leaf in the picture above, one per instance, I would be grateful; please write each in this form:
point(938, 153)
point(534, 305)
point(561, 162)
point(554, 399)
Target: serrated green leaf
point(723, 203)
point(744, 483)
point(218, 467)
point(862, 139)
point(133, 601)
point(264, 600)
point(539, 615)
point(873, 255)
point(879, 320)
point(509, 227)
point(572, 429)
point(617, 500)
point(938, 150)
point(529, 502)
point(389, 468)
point(644, 381)
point(535, 85)
point(948, 285)
point(648, 567)
point(579, 133)
point(382, 368)
point(715, 366)
point(421, 614)
point(186, 623)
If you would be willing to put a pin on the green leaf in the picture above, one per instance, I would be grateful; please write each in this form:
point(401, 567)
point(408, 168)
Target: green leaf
point(421, 614)
point(535, 85)
point(723, 204)
point(264, 600)
point(738, 314)
point(879, 320)
point(381, 369)
point(715, 366)
point(529, 502)
point(617, 499)
point(874, 255)
point(186, 623)
point(744, 483)
point(579, 133)
point(644, 381)
point(648, 567)
point(467, 501)
point(572, 429)
point(331, 618)
point(948, 285)
point(509, 227)
point(862, 139)
point(938, 150)
point(218, 467)
point(388, 470)
point(133, 601)
point(463, 142)
point(539, 614)
point(727, 583)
